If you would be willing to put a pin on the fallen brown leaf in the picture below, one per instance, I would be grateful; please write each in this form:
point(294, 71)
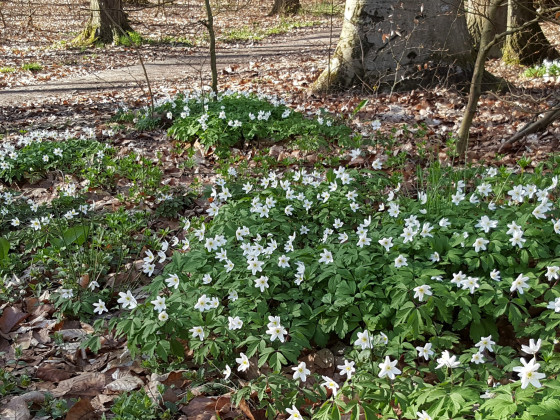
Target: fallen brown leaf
point(10, 318)
point(82, 410)
point(42, 336)
point(25, 340)
point(7, 350)
point(125, 384)
point(84, 280)
point(200, 408)
point(17, 409)
point(31, 304)
point(244, 407)
point(100, 400)
point(174, 382)
point(87, 384)
point(72, 333)
point(97, 364)
point(53, 374)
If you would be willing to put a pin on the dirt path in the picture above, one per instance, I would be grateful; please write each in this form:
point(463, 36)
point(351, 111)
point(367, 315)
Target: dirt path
point(289, 49)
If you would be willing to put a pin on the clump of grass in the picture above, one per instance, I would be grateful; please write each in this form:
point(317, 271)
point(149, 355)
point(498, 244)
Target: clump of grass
point(285, 26)
point(7, 69)
point(325, 8)
point(32, 67)
point(132, 38)
point(176, 40)
point(247, 33)
point(243, 34)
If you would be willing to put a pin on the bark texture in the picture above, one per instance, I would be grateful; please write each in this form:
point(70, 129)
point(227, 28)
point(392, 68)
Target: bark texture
point(285, 7)
point(399, 44)
point(477, 10)
point(528, 46)
point(107, 23)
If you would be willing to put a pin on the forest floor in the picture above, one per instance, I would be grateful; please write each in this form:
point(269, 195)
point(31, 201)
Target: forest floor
point(79, 90)
point(256, 53)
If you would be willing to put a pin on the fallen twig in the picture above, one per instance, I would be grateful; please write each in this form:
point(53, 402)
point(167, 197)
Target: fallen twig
point(533, 127)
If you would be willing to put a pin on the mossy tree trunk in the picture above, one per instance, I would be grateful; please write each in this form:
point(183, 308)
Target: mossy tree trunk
point(399, 44)
point(106, 24)
point(528, 46)
point(477, 12)
point(285, 7)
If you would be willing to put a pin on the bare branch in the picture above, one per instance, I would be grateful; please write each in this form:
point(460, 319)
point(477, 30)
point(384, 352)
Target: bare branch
point(550, 116)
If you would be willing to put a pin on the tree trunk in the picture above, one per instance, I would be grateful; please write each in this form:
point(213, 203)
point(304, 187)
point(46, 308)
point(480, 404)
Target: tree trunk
point(530, 45)
point(212, 34)
point(399, 44)
point(477, 10)
point(478, 75)
point(107, 23)
point(285, 7)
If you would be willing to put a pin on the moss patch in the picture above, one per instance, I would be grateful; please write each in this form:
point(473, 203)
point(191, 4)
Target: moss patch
point(86, 38)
